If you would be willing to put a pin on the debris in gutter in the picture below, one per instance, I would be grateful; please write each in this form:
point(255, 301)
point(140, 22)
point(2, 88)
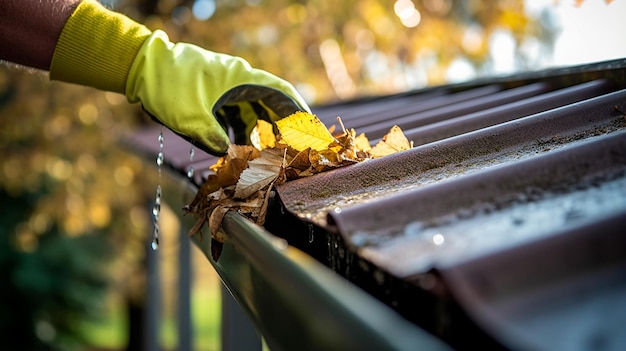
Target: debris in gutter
point(304, 146)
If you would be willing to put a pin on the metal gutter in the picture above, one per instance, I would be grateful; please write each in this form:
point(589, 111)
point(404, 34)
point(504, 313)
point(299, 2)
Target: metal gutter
point(299, 304)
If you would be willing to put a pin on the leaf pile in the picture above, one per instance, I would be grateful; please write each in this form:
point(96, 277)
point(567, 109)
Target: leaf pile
point(245, 176)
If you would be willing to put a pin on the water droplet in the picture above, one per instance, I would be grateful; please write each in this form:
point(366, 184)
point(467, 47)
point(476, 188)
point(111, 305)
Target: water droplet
point(329, 248)
point(190, 172)
point(438, 239)
point(192, 153)
point(379, 277)
point(311, 233)
point(159, 159)
point(156, 209)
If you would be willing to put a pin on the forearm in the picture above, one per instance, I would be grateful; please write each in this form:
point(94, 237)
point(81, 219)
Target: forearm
point(29, 30)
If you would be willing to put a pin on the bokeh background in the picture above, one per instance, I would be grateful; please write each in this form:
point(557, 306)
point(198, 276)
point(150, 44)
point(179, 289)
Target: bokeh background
point(75, 204)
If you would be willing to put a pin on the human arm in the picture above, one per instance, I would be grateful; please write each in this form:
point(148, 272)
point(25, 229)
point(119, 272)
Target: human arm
point(29, 30)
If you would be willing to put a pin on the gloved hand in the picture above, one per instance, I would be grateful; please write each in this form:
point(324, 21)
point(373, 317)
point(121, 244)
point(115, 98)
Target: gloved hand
point(195, 92)
point(198, 93)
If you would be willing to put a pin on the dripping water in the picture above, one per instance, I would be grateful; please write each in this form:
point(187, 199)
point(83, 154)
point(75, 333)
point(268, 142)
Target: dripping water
point(190, 170)
point(156, 209)
point(311, 233)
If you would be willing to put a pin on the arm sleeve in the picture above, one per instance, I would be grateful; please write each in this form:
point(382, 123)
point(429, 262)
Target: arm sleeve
point(97, 48)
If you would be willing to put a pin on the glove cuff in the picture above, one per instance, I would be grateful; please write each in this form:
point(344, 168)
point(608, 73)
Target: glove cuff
point(97, 48)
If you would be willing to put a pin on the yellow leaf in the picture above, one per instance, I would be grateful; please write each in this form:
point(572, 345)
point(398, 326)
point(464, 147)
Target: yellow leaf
point(303, 130)
point(362, 143)
point(262, 136)
point(393, 142)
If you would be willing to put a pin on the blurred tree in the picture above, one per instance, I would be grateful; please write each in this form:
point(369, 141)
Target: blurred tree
point(48, 290)
point(70, 198)
point(333, 50)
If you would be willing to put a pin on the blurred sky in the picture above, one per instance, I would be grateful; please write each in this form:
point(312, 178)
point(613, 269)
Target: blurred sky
point(593, 31)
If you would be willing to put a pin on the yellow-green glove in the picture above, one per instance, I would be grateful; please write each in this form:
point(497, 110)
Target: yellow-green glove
point(196, 93)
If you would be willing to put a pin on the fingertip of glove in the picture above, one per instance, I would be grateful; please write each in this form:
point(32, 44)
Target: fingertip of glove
point(216, 146)
point(221, 149)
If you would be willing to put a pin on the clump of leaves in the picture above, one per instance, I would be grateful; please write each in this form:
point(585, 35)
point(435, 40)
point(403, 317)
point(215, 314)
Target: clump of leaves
point(245, 176)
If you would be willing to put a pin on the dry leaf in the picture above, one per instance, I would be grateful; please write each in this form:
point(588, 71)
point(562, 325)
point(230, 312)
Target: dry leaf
point(228, 170)
point(260, 215)
point(216, 249)
point(393, 142)
point(215, 222)
point(362, 143)
point(245, 177)
point(301, 160)
point(262, 136)
point(303, 130)
point(260, 173)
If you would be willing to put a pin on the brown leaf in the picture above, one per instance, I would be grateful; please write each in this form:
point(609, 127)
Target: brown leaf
point(252, 204)
point(362, 143)
point(393, 142)
point(301, 160)
point(260, 173)
point(228, 169)
point(292, 173)
point(216, 249)
point(245, 177)
point(260, 216)
point(211, 185)
point(215, 221)
point(197, 228)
